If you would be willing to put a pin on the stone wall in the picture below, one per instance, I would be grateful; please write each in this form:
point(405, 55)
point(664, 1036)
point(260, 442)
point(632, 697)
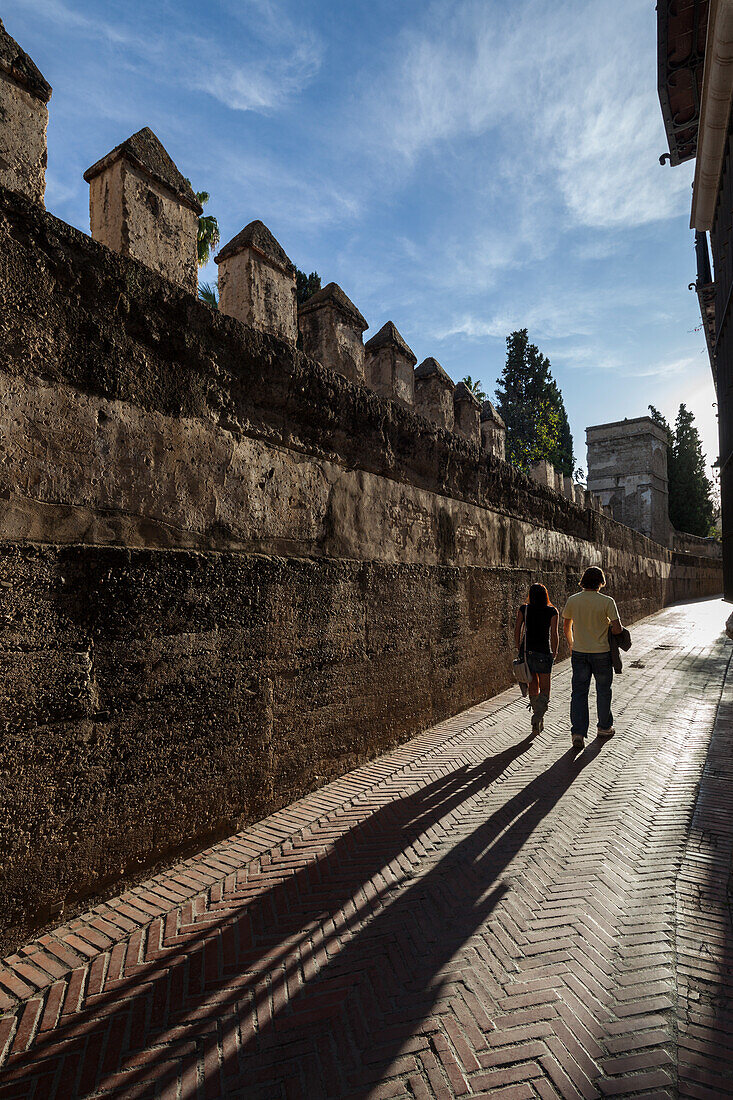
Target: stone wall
point(700, 547)
point(156, 699)
point(227, 573)
point(627, 469)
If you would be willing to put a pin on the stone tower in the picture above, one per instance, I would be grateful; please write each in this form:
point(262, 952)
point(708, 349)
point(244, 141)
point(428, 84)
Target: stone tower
point(23, 119)
point(493, 430)
point(389, 364)
point(141, 205)
point(627, 469)
point(331, 329)
point(257, 282)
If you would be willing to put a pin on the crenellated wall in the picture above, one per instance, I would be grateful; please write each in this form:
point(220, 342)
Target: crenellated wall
point(232, 568)
point(227, 573)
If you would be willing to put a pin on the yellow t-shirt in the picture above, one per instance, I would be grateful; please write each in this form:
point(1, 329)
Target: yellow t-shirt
point(590, 612)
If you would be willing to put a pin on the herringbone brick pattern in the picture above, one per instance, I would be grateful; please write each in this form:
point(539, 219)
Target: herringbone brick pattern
point(475, 914)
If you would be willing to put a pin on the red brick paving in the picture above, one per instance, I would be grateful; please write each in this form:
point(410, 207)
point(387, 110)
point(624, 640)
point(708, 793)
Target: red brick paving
point(475, 914)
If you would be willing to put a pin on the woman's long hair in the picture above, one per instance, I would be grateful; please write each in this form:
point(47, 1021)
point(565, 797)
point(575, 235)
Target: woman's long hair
point(538, 596)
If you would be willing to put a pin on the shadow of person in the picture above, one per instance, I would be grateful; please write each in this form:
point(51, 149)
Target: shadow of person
point(340, 1032)
point(257, 940)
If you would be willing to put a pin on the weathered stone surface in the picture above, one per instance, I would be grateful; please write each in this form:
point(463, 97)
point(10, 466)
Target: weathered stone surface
point(155, 699)
point(141, 206)
point(434, 394)
point(389, 364)
point(21, 68)
point(627, 469)
point(579, 492)
point(74, 314)
point(493, 431)
point(257, 282)
point(543, 472)
point(331, 330)
point(24, 94)
point(700, 547)
point(568, 488)
point(467, 412)
point(152, 698)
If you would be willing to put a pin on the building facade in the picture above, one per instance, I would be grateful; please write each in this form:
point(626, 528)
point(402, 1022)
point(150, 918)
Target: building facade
point(695, 79)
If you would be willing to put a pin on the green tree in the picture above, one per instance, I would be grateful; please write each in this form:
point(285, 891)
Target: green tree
point(475, 388)
point(207, 237)
point(657, 417)
point(208, 294)
point(306, 285)
point(691, 504)
point(530, 403)
point(691, 507)
point(562, 456)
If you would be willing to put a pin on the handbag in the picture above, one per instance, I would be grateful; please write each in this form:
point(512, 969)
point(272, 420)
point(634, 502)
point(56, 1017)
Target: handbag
point(520, 668)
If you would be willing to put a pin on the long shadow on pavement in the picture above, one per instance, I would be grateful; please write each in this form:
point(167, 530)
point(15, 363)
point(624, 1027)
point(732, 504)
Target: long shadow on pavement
point(178, 984)
point(369, 982)
point(380, 988)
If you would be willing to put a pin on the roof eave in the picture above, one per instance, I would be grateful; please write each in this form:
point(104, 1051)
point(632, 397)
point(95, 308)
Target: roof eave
point(717, 94)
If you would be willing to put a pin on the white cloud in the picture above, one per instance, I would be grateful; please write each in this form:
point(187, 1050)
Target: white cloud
point(557, 314)
point(262, 187)
point(567, 92)
point(282, 57)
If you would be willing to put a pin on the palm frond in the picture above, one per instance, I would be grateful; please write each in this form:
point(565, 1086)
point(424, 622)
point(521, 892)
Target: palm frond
point(207, 293)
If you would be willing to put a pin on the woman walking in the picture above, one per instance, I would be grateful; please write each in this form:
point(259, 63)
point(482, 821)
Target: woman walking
point(537, 629)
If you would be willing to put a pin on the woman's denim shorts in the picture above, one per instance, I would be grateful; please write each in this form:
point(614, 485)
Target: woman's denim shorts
point(539, 663)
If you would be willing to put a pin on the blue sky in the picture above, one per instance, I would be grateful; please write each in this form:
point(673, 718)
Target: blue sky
point(460, 167)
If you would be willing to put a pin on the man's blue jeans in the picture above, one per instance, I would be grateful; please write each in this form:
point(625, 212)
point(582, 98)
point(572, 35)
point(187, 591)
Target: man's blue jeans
point(586, 665)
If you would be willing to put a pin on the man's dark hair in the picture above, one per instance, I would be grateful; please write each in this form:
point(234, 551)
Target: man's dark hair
point(593, 578)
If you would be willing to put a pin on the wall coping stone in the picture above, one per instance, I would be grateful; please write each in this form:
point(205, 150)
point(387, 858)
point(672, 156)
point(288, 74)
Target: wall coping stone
point(21, 68)
point(634, 428)
point(488, 412)
point(431, 367)
point(389, 337)
point(462, 394)
point(333, 295)
point(146, 152)
point(258, 237)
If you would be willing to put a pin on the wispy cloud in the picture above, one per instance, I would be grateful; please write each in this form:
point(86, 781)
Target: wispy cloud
point(263, 85)
point(282, 57)
point(263, 187)
point(558, 313)
point(566, 93)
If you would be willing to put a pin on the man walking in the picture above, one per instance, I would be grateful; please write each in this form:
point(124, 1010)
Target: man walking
point(586, 619)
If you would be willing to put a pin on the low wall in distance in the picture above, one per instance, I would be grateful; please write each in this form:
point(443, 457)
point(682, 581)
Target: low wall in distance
point(698, 547)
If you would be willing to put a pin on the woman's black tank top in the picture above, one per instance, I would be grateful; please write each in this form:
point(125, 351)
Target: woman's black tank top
point(538, 624)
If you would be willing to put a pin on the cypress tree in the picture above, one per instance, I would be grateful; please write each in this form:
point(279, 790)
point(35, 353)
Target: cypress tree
point(691, 506)
point(306, 285)
point(531, 405)
point(562, 457)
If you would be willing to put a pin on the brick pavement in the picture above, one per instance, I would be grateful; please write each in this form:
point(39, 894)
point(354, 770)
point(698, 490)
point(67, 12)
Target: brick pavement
point(475, 914)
